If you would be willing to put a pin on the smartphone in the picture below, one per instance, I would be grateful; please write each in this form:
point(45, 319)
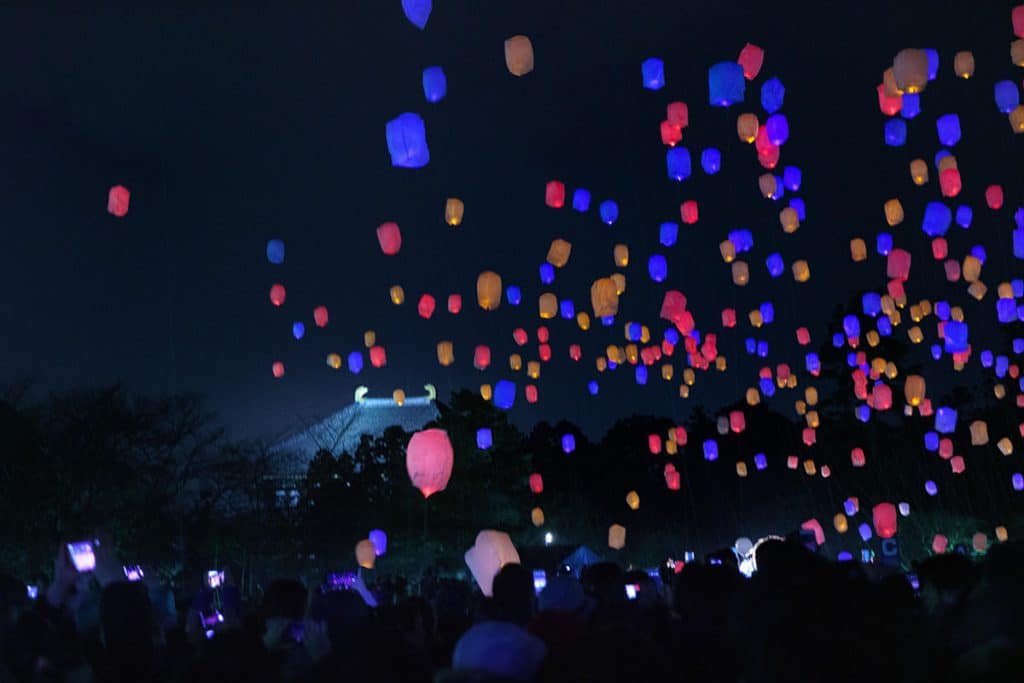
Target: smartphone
point(133, 573)
point(914, 583)
point(33, 592)
point(540, 580)
point(631, 590)
point(867, 556)
point(689, 556)
point(82, 556)
point(214, 578)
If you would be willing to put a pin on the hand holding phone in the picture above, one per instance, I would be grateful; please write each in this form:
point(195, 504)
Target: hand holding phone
point(631, 590)
point(83, 556)
point(215, 578)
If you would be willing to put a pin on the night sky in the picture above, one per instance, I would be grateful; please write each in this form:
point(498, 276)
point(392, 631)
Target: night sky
point(232, 126)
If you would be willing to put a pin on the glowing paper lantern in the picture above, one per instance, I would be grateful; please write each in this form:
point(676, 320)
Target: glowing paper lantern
point(379, 539)
point(657, 267)
point(679, 163)
point(711, 161)
point(568, 443)
point(604, 298)
point(298, 330)
point(505, 394)
point(397, 295)
point(609, 211)
point(616, 537)
point(726, 84)
point(963, 64)
point(840, 523)
point(366, 554)
point(435, 84)
point(1007, 96)
point(536, 484)
point(275, 251)
point(426, 306)
point(558, 253)
point(886, 520)
point(334, 361)
point(751, 58)
point(445, 353)
point(815, 526)
point(537, 517)
point(690, 212)
point(979, 542)
point(910, 70)
point(428, 459)
point(939, 544)
point(277, 369)
point(979, 433)
point(277, 294)
point(407, 141)
point(453, 211)
point(740, 273)
point(491, 551)
point(747, 126)
point(417, 12)
point(519, 55)
point(320, 316)
point(801, 270)
point(633, 500)
point(948, 127)
point(389, 236)
point(653, 72)
point(773, 95)
point(488, 290)
point(118, 199)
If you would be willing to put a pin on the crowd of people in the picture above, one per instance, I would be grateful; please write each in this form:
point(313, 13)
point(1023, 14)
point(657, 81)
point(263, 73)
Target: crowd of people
point(799, 618)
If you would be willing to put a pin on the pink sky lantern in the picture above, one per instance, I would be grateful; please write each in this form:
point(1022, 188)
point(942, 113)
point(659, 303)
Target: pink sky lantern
point(117, 201)
point(554, 194)
point(945, 448)
point(320, 316)
point(803, 336)
point(729, 317)
point(886, 519)
point(751, 59)
point(519, 336)
point(678, 114)
point(390, 238)
point(809, 436)
point(737, 422)
point(575, 352)
point(681, 436)
point(454, 303)
point(979, 541)
point(492, 551)
point(792, 462)
point(671, 134)
point(654, 443)
point(536, 483)
point(544, 352)
point(278, 369)
point(897, 264)
point(940, 248)
point(815, 526)
point(530, 391)
point(890, 106)
point(543, 334)
point(689, 211)
point(426, 306)
point(378, 356)
point(895, 288)
point(1017, 18)
point(673, 306)
point(428, 459)
point(994, 194)
point(957, 464)
point(950, 183)
point(481, 357)
point(952, 269)
point(857, 458)
point(672, 477)
point(882, 397)
point(939, 544)
point(278, 295)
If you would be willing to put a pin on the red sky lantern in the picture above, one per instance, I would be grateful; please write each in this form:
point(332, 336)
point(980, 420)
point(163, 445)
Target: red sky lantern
point(940, 248)
point(454, 303)
point(678, 114)
point(426, 306)
point(885, 518)
point(575, 352)
point(536, 483)
point(939, 544)
point(815, 526)
point(543, 335)
point(428, 459)
point(737, 422)
point(389, 237)
point(481, 357)
point(654, 443)
point(544, 352)
point(519, 336)
point(890, 106)
point(378, 356)
point(803, 336)
point(278, 369)
point(554, 194)
point(117, 200)
point(670, 134)
point(320, 316)
point(751, 58)
point(672, 477)
point(278, 295)
point(897, 265)
point(531, 393)
point(689, 211)
point(994, 195)
point(857, 458)
point(681, 436)
point(728, 317)
point(950, 183)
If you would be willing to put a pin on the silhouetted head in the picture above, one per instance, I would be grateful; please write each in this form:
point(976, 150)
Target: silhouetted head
point(513, 594)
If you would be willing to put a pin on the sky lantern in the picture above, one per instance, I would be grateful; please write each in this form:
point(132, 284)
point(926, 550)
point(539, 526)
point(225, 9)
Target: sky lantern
point(536, 484)
point(633, 500)
point(428, 459)
point(604, 297)
point(454, 209)
point(397, 295)
point(558, 253)
point(1017, 19)
point(445, 353)
point(378, 356)
point(547, 305)
point(711, 160)
point(320, 316)
point(435, 84)
point(840, 523)
point(679, 163)
point(1017, 119)
point(277, 369)
point(910, 70)
point(979, 541)
point(801, 270)
point(948, 127)
point(298, 330)
point(885, 518)
point(919, 172)
point(893, 212)
point(670, 135)
point(616, 537)
point(689, 212)
point(1007, 96)
point(1017, 52)
point(726, 84)
point(407, 141)
point(275, 252)
point(554, 194)
point(653, 73)
point(334, 361)
point(379, 539)
point(369, 338)
point(672, 477)
point(858, 250)
point(277, 294)
point(888, 104)
point(366, 554)
point(609, 212)
point(747, 126)
point(118, 200)
point(857, 458)
point(740, 273)
point(389, 236)
point(454, 303)
point(657, 267)
point(426, 306)
point(355, 362)
point(504, 394)
point(488, 290)
point(537, 517)
point(519, 55)
point(491, 551)
point(417, 12)
point(979, 433)
point(751, 58)
point(814, 526)
point(773, 94)
point(963, 64)
point(939, 544)
point(484, 438)
point(481, 357)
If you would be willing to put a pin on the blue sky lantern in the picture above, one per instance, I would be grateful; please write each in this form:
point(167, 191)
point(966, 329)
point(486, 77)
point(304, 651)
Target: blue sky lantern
point(838, 340)
point(672, 336)
point(609, 211)
point(948, 126)
point(355, 362)
point(505, 394)
point(798, 205)
point(711, 161)
point(1018, 347)
point(931, 441)
point(933, 62)
point(884, 327)
point(513, 295)
point(593, 387)
point(298, 330)
point(581, 200)
point(850, 506)
point(653, 72)
point(955, 334)
point(777, 129)
point(895, 132)
point(964, 216)
point(1018, 287)
point(942, 310)
point(657, 267)
point(634, 331)
point(776, 266)
point(568, 443)
point(978, 252)
point(865, 531)
point(742, 239)
point(750, 344)
point(1018, 481)
point(1006, 310)
point(937, 217)
point(851, 359)
point(883, 243)
point(641, 375)
point(945, 420)
point(767, 310)
point(407, 141)
point(851, 326)
point(773, 95)
point(566, 309)
point(931, 488)
point(871, 303)
point(1018, 243)
point(608, 321)
point(1002, 366)
point(711, 450)
point(762, 349)
point(760, 461)
point(940, 155)
point(726, 84)
point(435, 84)
point(417, 11)
point(275, 252)
point(986, 358)
point(812, 362)
point(767, 387)
point(791, 178)
point(484, 438)
point(911, 105)
point(612, 365)
point(668, 233)
point(547, 273)
point(862, 413)
point(678, 162)
point(936, 350)
point(1007, 96)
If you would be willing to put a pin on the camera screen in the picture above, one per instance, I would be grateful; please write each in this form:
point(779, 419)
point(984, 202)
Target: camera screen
point(215, 579)
point(82, 556)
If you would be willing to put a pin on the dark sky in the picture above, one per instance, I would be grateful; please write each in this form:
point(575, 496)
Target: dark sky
point(233, 125)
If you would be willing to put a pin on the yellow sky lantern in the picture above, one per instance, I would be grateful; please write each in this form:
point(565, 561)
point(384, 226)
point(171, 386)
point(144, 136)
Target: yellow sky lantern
point(620, 254)
point(604, 298)
point(488, 290)
point(741, 469)
point(486, 392)
point(800, 407)
point(755, 317)
point(947, 162)
point(601, 363)
point(810, 468)
point(547, 306)
point(537, 517)
point(397, 295)
point(1016, 118)
point(801, 271)
point(519, 55)
point(910, 70)
point(667, 371)
point(746, 127)
point(583, 320)
point(753, 396)
point(558, 253)
point(789, 219)
point(766, 183)
point(919, 172)
point(811, 396)
point(445, 353)
point(893, 212)
point(977, 290)
point(1017, 52)
point(840, 523)
point(1005, 446)
point(515, 362)
point(366, 554)
point(963, 64)
point(999, 391)
point(979, 433)
point(633, 500)
point(858, 250)
point(728, 251)
point(533, 369)
point(889, 86)
point(616, 537)
point(620, 283)
point(689, 376)
point(398, 396)
point(740, 273)
point(453, 211)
